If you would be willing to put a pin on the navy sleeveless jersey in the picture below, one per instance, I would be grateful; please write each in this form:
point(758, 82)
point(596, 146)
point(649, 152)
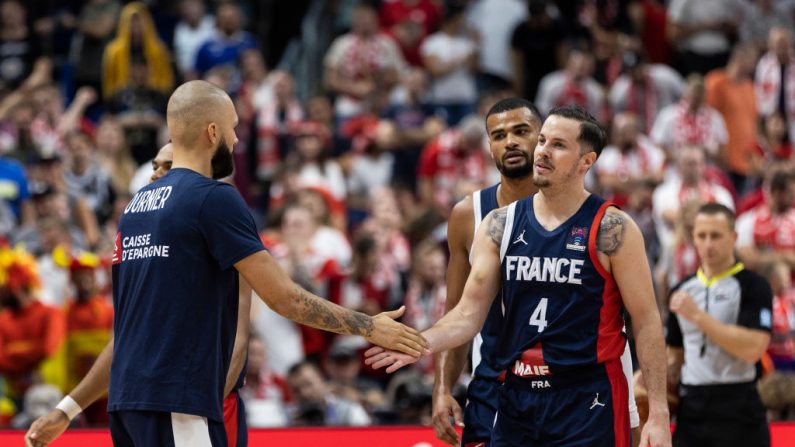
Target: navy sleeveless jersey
point(175, 292)
point(562, 309)
point(485, 343)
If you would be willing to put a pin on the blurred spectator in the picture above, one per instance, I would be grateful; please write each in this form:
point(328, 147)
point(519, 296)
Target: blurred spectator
point(457, 154)
point(361, 62)
point(54, 251)
point(771, 145)
point(311, 157)
point(30, 331)
point(343, 367)
point(427, 290)
point(451, 57)
point(767, 233)
point(369, 284)
point(256, 88)
point(678, 258)
point(194, 28)
point(89, 327)
point(760, 17)
point(644, 89)
point(639, 207)
point(689, 183)
point(95, 26)
point(650, 18)
point(20, 50)
point(140, 110)
point(775, 78)
point(265, 392)
point(58, 204)
point(14, 190)
point(114, 154)
point(39, 400)
point(572, 85)
point(494, 22)
point(371, 164)
point(137, 40)
point(314, 405)
point(730, 91)
point(230, 41)
point(631, 160)
point(409, 112)
point(690, 122)
point(536, 47)
point(702, 31)
point(409, 22)
point(85, 177)
point(278, 117)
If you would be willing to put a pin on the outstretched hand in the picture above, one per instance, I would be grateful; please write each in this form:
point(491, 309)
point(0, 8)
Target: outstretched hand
point(395, 336)
point(378, 357)
point(46, 429)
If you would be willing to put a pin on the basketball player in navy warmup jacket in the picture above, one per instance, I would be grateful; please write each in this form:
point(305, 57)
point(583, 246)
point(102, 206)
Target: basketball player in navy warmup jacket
point(182, 241)
point(512, 125)
point(565, 263)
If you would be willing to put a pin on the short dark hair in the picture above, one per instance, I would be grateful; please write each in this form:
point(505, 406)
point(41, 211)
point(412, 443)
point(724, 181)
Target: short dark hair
point(514, 103)
point(591, 133)
point(712, 209)
point(780, 181)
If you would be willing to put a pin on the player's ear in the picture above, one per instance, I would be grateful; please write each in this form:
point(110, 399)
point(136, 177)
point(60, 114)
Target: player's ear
point(213, 133)
point(588, 159)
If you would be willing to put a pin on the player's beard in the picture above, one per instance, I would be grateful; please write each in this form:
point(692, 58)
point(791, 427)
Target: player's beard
point(222, 163)
point(515, 172)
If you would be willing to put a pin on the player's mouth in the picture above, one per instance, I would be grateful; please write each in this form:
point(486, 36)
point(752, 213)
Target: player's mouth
point(542, 166)
point(513, 157)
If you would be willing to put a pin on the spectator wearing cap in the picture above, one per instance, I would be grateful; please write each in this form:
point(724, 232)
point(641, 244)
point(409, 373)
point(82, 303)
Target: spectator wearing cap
point(31, 332)
point(311, 159)
point(644, 89)
point(451, 57)
point(315, 405)
point(360, 63)
point(225, 48)
point(457, 154)
point(730, 91)
point(89, 327)
point(136, 39)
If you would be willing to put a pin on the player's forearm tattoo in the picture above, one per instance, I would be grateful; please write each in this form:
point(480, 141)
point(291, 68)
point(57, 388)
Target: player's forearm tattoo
point(611, 234)
point(497, 225)
point(321, 314)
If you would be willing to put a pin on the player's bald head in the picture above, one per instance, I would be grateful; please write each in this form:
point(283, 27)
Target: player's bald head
point(192, 107)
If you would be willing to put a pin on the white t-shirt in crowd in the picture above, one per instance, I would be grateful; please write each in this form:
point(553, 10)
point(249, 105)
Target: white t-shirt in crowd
point(698, 12)
point(458, 86)
point(187, 41)
point(495, 20)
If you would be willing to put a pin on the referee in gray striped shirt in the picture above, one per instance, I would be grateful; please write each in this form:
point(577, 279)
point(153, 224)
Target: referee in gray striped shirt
point(718, 331)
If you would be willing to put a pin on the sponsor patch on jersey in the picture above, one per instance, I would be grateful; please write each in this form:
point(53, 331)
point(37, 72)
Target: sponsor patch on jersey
point(577, 239)
point(765, 318)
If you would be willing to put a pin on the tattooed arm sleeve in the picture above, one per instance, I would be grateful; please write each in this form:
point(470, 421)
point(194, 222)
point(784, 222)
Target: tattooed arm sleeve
point(611, 233)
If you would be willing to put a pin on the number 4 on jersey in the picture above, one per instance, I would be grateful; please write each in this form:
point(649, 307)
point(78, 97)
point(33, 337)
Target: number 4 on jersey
point(539, 317)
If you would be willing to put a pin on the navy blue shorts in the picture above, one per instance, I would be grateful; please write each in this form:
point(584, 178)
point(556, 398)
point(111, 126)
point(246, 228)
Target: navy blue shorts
point(587, 408)
point(154, 428)
point(482, 399)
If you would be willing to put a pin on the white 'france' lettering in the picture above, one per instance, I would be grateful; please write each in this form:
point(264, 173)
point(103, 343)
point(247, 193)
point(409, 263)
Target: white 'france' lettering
point(554, 270)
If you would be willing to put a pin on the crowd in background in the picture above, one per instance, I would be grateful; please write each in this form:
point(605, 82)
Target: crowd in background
point(352, 182)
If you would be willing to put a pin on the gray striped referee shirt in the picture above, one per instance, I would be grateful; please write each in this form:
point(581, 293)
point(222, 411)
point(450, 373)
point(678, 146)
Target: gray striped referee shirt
point(738, 297)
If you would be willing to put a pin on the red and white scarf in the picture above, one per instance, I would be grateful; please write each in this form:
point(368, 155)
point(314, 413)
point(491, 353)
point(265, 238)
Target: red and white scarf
point(768, 88)
point(573, 93)
point(692, 129)
point(362, 59)
point(268, 130)
point(424, 307)
point(703, 192)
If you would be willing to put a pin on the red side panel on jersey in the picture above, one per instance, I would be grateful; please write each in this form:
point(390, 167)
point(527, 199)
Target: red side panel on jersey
point(620, 400)
point(230, 418)
point(610, 342)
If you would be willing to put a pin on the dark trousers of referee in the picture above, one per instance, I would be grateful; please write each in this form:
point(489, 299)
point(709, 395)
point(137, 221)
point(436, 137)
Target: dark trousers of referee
point(721, 416)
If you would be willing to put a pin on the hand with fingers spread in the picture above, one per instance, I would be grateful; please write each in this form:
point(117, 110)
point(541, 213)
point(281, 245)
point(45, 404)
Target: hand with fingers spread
point(444, 407)
point(395, 336)
point(46, 429)
point(378, 357)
